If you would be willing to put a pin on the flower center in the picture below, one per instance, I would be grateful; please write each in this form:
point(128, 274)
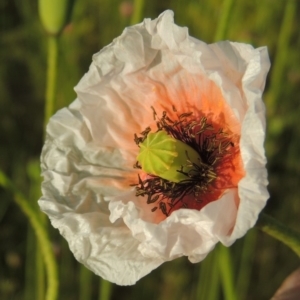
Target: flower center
point(180, 162)
point(163, 156)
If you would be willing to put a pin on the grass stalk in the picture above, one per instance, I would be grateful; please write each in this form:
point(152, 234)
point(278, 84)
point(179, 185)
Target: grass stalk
point(85, 284)
point(208, 282)
point(226, 273)
point(138, 8)
point(281, 57)
point(274, 228)
point(51, 78)
point(105, 289)
point(30, 290)
point(40, 274)
point(223, 23)
point(41, 234)
point(33, 172)
point(245, 265)
point(213, 290)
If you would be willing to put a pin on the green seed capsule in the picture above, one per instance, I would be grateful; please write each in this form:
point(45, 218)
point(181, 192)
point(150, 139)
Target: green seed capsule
point(162, 155)
point(55, 14)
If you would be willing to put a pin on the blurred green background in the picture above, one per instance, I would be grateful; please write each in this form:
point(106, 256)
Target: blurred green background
point(255, 266)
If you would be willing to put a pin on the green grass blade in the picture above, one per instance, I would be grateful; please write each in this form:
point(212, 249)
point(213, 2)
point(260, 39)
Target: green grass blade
point(208, 281)
point(223, 23)
point(226, 273)
point(41, 234)
point(138, 9)
point(105, 289)
point(246, 263)
point(282, 52)
point(85, 284)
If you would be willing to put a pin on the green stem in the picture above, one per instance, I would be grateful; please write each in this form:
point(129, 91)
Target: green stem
point(138, 11)
point(274, 228)
point(105, 289)
point(222, 28)
point(41, 235)
point(284, 37)
point(40, 272)
point(85, 283)
point(246, 264)
point(212, 293)
point(51, 77)
point(208, 277)
point(226, 273)
point(30, 289)
point(204, 279)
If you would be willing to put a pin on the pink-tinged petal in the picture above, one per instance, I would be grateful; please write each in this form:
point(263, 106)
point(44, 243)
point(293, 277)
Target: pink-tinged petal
point(290, 288)
point(88, 157)
point(185, 232)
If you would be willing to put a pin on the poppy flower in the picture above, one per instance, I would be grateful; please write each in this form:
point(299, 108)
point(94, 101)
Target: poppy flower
point(161, 155)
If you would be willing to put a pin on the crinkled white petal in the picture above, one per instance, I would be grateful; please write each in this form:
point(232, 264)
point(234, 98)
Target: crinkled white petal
point(88, 157)
point(185, 232)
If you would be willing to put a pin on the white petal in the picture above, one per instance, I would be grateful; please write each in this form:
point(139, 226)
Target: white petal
point(185, 232)
point(88, 156)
